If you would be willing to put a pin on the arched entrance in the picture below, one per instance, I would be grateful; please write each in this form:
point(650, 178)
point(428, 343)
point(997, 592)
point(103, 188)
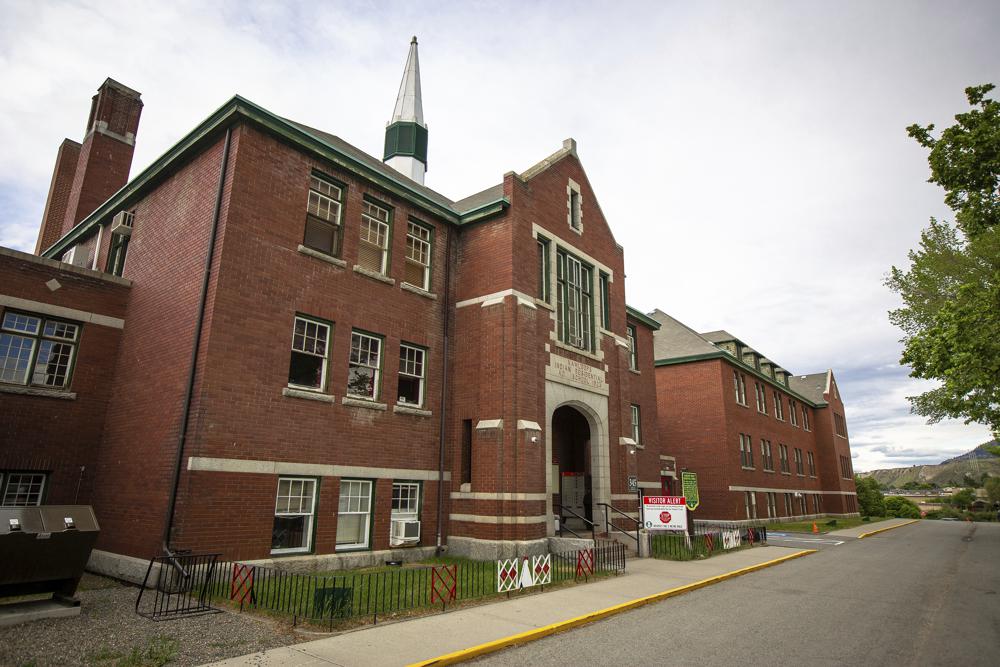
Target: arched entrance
point(571, 452)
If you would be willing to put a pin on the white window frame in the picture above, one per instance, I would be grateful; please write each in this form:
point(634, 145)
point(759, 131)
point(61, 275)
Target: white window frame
point(409, 368)
point(811, 460)
point(361, 336)
point(633, 354)
point(766, 455)
point(418, 251)
point(325, 203)
point(772, 505)
point(307, 322)
point(805, 418)
point(361, 511)
point(14, 325)
point(793, 415)
point(799, 466)
point(779, 412)
point(5, 483)
point(375, 219)
point(412, 496)
point(750, 502)
point(311, 514)
point(636, 418)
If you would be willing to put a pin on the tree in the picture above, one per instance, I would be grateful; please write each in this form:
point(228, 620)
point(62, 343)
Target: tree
point(950, 316)
point(993, 489)
point(901, 507)
point(963, 498)
point(871, 502)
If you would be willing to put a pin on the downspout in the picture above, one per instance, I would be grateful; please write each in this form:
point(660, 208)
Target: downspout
point(444, 391)
point(186, 414)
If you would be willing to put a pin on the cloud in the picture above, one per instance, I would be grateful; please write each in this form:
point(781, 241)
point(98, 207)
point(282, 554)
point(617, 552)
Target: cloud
point(753, 164)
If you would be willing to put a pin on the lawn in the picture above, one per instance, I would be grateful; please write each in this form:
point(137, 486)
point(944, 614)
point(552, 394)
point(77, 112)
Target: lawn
point(823, 525)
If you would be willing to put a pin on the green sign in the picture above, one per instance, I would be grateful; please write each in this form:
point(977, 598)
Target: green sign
point(689, 486)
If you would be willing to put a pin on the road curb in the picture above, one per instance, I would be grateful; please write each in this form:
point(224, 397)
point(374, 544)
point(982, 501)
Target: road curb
point(882, 530)
point(546, 630)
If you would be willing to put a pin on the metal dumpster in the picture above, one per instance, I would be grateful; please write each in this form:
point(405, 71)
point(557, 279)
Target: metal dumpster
point(44, 549)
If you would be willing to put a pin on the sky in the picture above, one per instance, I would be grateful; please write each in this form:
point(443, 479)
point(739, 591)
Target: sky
point(751, 157)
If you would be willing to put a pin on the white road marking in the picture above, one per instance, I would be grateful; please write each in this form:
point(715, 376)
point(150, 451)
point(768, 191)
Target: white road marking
point(783, 538)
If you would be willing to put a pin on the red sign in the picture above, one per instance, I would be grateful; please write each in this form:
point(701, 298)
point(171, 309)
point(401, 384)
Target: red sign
point(665, 517)
point(664, 500)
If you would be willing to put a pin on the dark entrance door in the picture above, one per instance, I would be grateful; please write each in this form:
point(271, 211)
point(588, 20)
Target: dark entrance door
point(571, 452)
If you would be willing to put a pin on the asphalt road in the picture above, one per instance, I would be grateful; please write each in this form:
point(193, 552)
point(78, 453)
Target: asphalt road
point(805, 540)
point(924, 594)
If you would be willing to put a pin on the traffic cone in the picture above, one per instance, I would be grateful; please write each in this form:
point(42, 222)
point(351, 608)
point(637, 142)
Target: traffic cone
point(815, 529)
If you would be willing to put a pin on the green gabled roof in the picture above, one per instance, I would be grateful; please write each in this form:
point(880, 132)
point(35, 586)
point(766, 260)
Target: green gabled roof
point(642, 317)
point(326, 146)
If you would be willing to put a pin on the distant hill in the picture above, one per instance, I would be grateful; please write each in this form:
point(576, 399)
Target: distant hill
point(947, 473)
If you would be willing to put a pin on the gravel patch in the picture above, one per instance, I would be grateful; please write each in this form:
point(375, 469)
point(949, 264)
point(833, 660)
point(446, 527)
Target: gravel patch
point(109, 633)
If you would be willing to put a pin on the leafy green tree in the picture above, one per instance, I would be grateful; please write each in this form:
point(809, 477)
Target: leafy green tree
point(963, 498)
point(871, 502)
point(901, 507)
point(950, 316)
point(993, 489)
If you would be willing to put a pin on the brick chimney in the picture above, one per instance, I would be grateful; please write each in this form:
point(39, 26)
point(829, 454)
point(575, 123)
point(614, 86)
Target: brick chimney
point(87, 174)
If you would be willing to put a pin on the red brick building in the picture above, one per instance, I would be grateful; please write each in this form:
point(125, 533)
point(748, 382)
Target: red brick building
point(765, 443)
point(285, 347)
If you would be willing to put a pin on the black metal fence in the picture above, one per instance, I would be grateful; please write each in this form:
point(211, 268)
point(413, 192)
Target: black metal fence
point(708, 540)
point(329, 599)
point(177, 586)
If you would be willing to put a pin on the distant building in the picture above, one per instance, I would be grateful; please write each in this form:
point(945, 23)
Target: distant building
point(766, 444)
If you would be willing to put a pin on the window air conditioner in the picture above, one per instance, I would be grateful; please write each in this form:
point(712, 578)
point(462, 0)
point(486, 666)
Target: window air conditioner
point(405, 530)
point(122, 223)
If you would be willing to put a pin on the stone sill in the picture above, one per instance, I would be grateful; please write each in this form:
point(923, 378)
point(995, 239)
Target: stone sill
point(545, 304)
point(632, 370)
point(322, 256)
point(37, 391)
point(368, 273)
point(408, 410)
point(747, 468)
point(583, 353)
point(308, 395)
point(407, 287)
point(363, 403)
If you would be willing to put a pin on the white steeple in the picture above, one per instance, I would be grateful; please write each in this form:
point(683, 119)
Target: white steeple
point(406, 133)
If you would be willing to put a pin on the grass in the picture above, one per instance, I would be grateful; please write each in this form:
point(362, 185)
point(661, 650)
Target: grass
point(824, 525)
point(158, 652)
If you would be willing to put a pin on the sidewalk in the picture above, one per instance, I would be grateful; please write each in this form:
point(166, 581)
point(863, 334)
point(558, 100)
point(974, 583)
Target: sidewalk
point(427, 637)
point(875, 527)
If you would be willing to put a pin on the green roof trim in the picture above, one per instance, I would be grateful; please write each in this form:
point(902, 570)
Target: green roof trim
point(753, 371)
point(233, 111)
point(642, 317)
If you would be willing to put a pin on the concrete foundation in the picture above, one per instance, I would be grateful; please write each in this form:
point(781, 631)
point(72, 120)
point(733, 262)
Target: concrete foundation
point(470, 547)
point(34, 610)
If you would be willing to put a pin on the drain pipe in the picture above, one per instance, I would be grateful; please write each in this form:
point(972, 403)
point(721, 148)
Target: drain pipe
point(186, 414)
point(444, 391)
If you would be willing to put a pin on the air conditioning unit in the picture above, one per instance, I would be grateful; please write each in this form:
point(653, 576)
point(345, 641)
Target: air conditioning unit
point(122, 223)
point(405, 530)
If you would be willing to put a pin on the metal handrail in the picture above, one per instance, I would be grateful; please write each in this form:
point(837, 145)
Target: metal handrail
point(562, 526)
point(608, 526)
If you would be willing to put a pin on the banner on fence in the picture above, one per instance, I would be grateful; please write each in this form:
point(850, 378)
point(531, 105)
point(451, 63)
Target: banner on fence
point(664, 513)
point(523, 572)
point(731, 539)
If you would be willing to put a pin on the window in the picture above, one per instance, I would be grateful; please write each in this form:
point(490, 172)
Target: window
point(793, 412)
point(636, 425)
point(779, 412)
point(323, 216)
point(746, 451)
point(798, 461)
point(36, 351)
point(805, 418)
point(574, 209)
point(633, 354)
point(772, 505)
point(354, 514)
point(840, 425)
point(544, 270)
point(575, 301)
point(817, 503)
point(761, 395)
point(783, 456)
point(411, 376)
point(373, 249)
point(294, 510)
point(740, 387)
point(364, 369)
point(767, 458)
point(750, 501)
point(845, 467)
point(812, 464)
point(21, 489)
point(605, 303)
point(466, 451)
point(803, 504)
point(788, 504)
point(116, 254)
point(418, 256)
point(310, 342)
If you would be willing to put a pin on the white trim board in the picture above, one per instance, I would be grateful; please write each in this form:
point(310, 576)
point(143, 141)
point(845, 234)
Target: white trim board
point(250, 466)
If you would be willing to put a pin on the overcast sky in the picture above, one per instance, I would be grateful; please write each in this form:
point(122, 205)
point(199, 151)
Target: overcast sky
point(751, 157)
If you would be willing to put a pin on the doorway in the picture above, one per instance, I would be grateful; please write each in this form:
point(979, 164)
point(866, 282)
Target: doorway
point(571, 442)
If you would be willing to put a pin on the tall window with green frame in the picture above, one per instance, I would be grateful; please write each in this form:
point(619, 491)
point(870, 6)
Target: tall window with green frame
point(605, 301)
point(116, 254)
point(575, 301)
